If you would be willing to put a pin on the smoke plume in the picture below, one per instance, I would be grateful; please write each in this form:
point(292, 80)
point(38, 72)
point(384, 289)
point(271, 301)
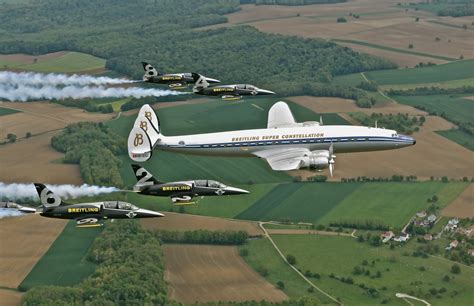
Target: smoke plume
point(16, 191)
point(8, 212)
point(22, 92)
point(33, 78)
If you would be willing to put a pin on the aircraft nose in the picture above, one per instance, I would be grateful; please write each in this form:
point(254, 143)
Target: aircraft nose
point(209, 80)
point(233, 190)
point(265, 92)
point(408, 139)
point(145, 213)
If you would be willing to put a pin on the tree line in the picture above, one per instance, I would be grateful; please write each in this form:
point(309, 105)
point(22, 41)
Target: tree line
point(90, 105)
point(203, 237)
point(94, 147)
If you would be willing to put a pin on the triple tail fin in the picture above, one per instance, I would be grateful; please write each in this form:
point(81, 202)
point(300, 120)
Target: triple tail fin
point(144, 135)
point(47, 197)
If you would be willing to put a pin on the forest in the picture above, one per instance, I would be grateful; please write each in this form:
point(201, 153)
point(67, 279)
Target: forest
point(94, 147)
point(167, 34)
point(130, 272)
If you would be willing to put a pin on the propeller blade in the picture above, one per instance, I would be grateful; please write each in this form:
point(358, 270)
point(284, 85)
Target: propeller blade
point(320, 120)
point(331, 166)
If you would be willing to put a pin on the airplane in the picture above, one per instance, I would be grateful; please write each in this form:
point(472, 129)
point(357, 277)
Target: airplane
point(182, 192)
point(174, 80)
point(18, 207)
point(284, 144)
point(88, 214)
point(228, 92)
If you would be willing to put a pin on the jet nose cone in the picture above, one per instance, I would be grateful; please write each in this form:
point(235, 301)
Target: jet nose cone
point(265, 92)
point(408, 140)
point(233, 190)
point(145, 213)
point(209, 80)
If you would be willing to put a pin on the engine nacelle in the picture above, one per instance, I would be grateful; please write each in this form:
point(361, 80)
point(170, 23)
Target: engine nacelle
point(316, 160)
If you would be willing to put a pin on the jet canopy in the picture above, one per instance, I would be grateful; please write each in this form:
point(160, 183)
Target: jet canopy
point(209, 183)
point(245, 86)
point(119, 205)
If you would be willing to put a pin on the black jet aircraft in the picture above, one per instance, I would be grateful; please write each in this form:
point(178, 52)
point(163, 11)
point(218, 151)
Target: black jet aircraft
point(88, 214)
point(173, 80)
point(181, 193)
point(228, 92)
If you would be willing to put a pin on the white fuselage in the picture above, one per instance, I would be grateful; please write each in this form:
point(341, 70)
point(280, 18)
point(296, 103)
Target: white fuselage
point(314, 137)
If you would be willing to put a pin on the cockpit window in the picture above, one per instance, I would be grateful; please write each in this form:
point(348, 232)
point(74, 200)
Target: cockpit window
point(119, 205)
point(215, 184)
point(250, 87)
point(188, 75)
point(202, 183)
point(240, 86)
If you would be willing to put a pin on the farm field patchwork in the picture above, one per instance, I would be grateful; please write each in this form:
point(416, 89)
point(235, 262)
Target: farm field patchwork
point(306, 202)
point(460, 137)
point(24, 241)
point(65, 62)
point(398, 273)
point(432, 74)
point(204, 273)
point(455, 108)
point(392, 204)
point(64, 264)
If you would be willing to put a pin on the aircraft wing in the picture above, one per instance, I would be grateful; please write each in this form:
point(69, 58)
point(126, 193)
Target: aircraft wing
point(280, 115)
point(284, 159)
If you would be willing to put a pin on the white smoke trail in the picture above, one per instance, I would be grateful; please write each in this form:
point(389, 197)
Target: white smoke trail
point(25, 92)
point(16, 191)
point(33, 78)
point(8, 212)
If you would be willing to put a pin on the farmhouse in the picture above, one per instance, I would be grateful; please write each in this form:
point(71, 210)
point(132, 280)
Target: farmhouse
point(430, 220)
point(452, 225)
point(402, 238)
point(468, 232)
point(428, 237)
point(387, 236)
point(452, 245)
point(470, 252)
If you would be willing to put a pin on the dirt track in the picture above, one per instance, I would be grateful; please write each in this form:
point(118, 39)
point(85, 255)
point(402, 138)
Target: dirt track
point(185, 222)
point(204, 273)
point(24, 241)
point(463, 206)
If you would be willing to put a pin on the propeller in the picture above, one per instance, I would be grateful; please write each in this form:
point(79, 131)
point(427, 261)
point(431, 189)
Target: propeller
point(331, 159)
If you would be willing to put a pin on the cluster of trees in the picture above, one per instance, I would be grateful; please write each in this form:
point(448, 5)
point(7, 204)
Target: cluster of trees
point(162, 32)
point(457, 11)
point(90, 105)
point(359, 224)
point(130, 271)
point(402, 123)
point(94, 147)
point(394, 178)
point(203, 237)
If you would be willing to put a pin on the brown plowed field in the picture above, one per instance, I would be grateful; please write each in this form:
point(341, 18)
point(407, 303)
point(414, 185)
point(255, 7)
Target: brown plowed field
point(185, 222)
point(463, 206)
point(39, 117)
point(205, 273)
point(10, 298)
point(24, 240)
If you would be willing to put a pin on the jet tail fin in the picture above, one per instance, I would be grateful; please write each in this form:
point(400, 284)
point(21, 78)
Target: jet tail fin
point(200, 84)
point(144, 135)
point(144, 178)
point(150, 71)
point(47, 197)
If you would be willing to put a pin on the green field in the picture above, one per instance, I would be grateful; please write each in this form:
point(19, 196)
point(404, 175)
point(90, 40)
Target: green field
point(392, 204)
point(307, 202)
point(405, 51)
point(339, 255)
point(263, 256)
point(67, 63)
point(439, 73)
point(455, 108)
point(7, 111)
point(64, 264)
point(212, 117)
point(446, 84)
point(460, 137)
